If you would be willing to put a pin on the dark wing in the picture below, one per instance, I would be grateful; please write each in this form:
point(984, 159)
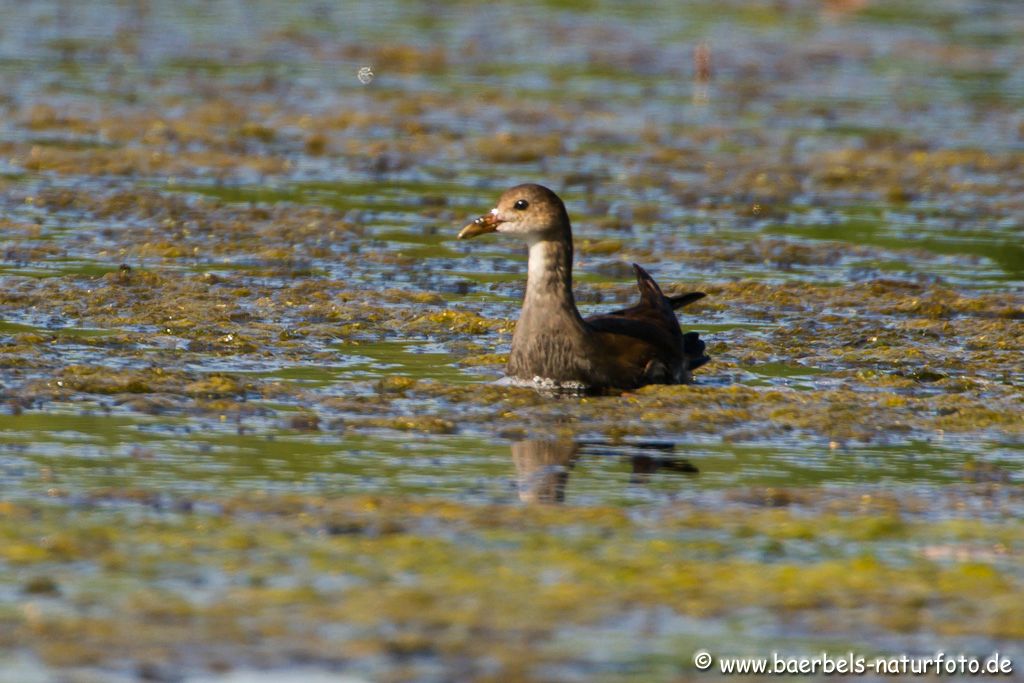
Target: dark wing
point(651, 296)
point(638, 352)
point(646, 337)
point(654, 307)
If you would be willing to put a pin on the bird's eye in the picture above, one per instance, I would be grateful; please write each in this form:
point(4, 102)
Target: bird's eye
point(521, 205)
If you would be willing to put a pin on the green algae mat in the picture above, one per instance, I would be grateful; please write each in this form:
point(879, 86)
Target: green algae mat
point(250, 423)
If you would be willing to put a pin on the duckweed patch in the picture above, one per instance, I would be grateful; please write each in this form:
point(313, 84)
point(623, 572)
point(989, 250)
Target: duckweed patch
point(510, 576)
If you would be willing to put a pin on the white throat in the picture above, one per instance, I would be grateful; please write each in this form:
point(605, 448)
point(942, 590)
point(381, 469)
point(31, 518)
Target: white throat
point(549, 284)
point(542, 261)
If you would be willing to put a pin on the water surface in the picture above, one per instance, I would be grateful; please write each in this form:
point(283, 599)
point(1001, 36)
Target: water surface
point(250, 420)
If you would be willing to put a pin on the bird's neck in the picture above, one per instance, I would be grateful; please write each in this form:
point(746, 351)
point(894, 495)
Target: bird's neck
point(549, 281)
point(551, 340)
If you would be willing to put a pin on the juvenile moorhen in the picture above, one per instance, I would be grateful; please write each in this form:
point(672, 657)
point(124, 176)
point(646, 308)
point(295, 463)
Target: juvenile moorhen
point(553, 345)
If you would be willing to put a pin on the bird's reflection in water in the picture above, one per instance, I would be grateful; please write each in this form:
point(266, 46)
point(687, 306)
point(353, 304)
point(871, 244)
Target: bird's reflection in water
point(542, 469)
point(543, 466)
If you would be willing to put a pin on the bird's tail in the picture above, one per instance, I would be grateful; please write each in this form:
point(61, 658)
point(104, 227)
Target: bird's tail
point(680, 300)
point(693, 350)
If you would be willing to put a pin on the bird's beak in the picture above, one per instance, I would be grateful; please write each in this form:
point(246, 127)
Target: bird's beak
point(489, 222)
